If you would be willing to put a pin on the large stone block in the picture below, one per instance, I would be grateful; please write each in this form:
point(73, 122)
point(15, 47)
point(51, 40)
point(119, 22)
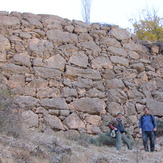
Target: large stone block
point(155, 107)
point(74, 122)
point(114, 83)
point(34, 20)
point(102, 62)
point(159, 83)
point(93, 119)
point(157, 62)
point(14, 69)
point(138, 66)
point(47, 73)
point(56, 61)
point(79, 59)
point(16, 80)
point(54, 103)
point(132, 120)
point(22, 59)
point(40, 48)
point(108, 74)
point(9, 21)
point(73, 72)
point(116, 95)
point(3, 56)
point(117, 51)
point(120, 34)
point(68, 49)
point(58, 37)
point(26, 101)
point(107, 41)
point(38, 83)
point(133, 55)
point(85, 37)
point(114, 108)
point(119, 60)
point(130, 108)
point(161, 73)
point(25, 35)
point(134, 94)
point(158, 96)
point(37, 62)
point(150, 85)
point(89, 105)
point(99, 85)
point(47, 93)
point(93, 129)
point(95, 93)
point(54, 122)
point(4, 43)
point(83, 83)
point(78, 29)
point(90, 45)
point(154, 49)
point(81, 24)
point(30, 118)
point(143, 77)
point(68, 92)
point(51, 21)
point(136, 47)
point(26, 91)
point(98, 33)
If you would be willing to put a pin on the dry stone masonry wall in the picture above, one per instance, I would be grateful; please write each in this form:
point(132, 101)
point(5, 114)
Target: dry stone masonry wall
point(71, 76)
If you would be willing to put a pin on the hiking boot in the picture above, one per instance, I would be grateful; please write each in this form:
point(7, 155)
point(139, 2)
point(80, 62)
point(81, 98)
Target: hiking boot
point(146, 149)
point(152, 150)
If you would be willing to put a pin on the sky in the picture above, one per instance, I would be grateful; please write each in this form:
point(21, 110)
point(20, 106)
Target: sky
point(117, 12)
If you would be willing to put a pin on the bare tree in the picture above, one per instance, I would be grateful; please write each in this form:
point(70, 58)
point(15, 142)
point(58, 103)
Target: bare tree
point(86, 8)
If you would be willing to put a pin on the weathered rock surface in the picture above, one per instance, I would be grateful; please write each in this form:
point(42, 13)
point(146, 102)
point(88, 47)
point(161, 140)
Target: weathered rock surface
point(156, 107)
point(54, 103)
point(89, 105)
point(74, 122)
point(69, 75)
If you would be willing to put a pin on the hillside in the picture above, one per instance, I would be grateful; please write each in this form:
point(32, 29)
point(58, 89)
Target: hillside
point(69, 78)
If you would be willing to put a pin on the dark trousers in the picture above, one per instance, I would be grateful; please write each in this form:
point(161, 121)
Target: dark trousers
point(149, 135)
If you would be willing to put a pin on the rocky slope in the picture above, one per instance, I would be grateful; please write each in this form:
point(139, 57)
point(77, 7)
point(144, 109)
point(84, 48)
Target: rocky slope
point(52, 148)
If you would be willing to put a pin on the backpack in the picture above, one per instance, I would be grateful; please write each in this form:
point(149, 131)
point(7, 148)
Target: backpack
point(152, 119)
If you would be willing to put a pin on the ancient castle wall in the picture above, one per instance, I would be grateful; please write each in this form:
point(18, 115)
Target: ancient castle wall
point(69, 75)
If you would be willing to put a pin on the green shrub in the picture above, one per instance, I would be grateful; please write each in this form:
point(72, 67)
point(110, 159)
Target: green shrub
point(160, 127)
point(102, 139)
point(148, 26)
point(83, 139)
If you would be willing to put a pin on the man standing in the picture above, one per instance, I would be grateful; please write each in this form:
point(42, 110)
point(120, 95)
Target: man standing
point(147, 127)
point(120, 132)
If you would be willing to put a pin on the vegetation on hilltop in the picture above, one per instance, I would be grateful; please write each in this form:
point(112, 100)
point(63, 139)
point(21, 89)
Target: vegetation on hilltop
point(149, 26)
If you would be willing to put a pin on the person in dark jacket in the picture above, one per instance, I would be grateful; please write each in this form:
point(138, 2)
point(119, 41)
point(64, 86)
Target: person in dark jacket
point(147, 127)
point(120, 132)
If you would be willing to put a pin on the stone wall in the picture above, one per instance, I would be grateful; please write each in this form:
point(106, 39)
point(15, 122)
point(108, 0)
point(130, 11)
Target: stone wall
point(68, 75)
